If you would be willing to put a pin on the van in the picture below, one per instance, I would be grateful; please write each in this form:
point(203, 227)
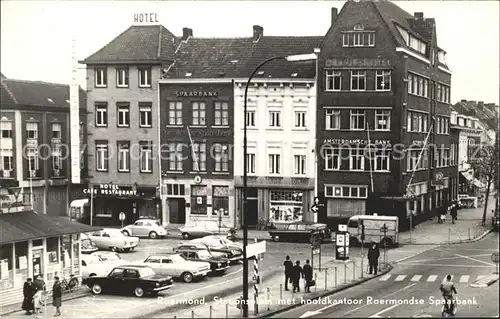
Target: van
point(373, 233)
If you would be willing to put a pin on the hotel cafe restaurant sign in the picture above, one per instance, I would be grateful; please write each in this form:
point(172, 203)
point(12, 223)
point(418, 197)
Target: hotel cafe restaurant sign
point(111, 190)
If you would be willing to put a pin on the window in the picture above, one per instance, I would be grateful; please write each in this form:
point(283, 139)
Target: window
point(176, 189)
point(101, 77)
point(420, 89)
point(250, 119)
point(32, 131)
point(417, 122)
point(6, 129)
point(101, 114)
point(274, 164)
point(198, 200)
point(56, 158)
point(199, 113)
point(145, 114)
point(443, 125)
point(357, 120)
point(383, 80)
point(123, 115)
point(351, 191)
point(221, 114)
point(175, 113)
point(250, 163)
point(123, 157)
point(220, 200)
point(33, 159)
point(357, 160)
point(381, 161)
point(358, 39)
point(144, 77)
point(274, 119)
point(332, 159)
point(415, 84)
point(102, 157)
point(300, 119)
point(358, 80)
point(332, 119)
point(176, 157)
point(56, 131)
point(221, 158)
point(382, 120)
point(412, 160)
point(426, 88)
point(199, 160)
point(410, 83)
point(7, 162)
point(146, 157)
point(300, 164)
point(333, 80)
point(122, 77)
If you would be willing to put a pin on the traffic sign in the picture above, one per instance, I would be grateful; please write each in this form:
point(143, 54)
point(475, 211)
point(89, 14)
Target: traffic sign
point(314, 208)
point(121, 216)
point(494, 257)
point(316, 200)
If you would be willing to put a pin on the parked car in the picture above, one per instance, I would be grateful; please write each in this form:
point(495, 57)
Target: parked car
point(87, 245)
point(145, 228)
point(198, 246)
point(301, 232)
point(113, 239)
point(202, 229)
point(93, 266)
point(221, 244)
point(218, 265)
point(176, 266)
point(139, 280)
point(109, 257)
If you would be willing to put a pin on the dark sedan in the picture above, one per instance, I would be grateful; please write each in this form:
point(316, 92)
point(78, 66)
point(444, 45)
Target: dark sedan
point(218, 265)
point(219, 245)
point(139, 280)
point(302, 232)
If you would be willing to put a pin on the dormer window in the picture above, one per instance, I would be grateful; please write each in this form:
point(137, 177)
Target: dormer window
point(358, 37)
point(442, 57)
point(411, 41)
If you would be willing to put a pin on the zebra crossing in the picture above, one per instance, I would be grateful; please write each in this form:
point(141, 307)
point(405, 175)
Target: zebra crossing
point(461, 279)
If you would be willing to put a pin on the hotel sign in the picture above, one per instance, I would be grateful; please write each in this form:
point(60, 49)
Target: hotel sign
point(111, 190)
point(362, 62)
point(340, 141)
point(146, 18)
point(196, 94)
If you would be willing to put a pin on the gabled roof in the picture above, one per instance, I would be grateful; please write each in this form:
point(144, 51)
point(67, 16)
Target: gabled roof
point(147, 43)
point(482, 113)
point(237, 57)
point(37, 93)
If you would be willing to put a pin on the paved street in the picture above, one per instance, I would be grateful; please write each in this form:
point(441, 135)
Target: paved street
point(418, 278)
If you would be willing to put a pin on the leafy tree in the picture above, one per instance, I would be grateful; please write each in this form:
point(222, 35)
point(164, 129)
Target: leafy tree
point(485, 164)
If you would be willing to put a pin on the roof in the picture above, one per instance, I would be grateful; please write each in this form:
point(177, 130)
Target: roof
point(37, 93)
point(147, 43)
point(485, 114)
point(22, 226)
point(237, 57)
point(2, 76)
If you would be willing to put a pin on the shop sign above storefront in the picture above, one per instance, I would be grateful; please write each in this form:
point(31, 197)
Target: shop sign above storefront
point(356, 62)
point(111, 190)
point(196, 94)
point(196, 133)
point(341, 141)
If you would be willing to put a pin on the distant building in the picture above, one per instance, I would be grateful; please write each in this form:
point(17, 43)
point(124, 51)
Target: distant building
point(35, 152)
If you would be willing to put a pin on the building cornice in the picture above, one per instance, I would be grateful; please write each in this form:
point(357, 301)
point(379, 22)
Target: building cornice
point(444, 70)
point(239, 81)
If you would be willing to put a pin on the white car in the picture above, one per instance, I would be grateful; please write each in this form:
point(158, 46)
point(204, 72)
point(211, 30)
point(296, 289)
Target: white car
point(145, 228)
point(92, 266)
point(176, 266)
point(202, 229)
point(109, 258)
point(113, 239)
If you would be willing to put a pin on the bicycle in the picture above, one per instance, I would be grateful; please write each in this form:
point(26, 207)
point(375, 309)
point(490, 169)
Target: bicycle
point(69, 285)
point(449, 308)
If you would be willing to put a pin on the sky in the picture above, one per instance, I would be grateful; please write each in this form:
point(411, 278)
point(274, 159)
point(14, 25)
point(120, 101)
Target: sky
point(37, 36)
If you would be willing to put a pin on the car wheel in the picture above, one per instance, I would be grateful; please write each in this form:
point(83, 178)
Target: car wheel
point(276, 238)
point(127, 250)
point(96, 289)
point(187, 277)
point(387, 242)
point(185, 236)
point(153, 235)
point(139, 292)
point(126, 233)
point(114, 249)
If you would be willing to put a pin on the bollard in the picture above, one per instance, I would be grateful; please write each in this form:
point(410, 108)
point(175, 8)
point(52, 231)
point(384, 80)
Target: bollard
point(335, 277)
point(227, 310)
point(345, 273)
point(192, 314)
point(281, 292)
point(353, 270)
point(449, 236)
point(326, 278)
point(468, 230)
point(316, 281)
point(268, 299)
point(210, 309)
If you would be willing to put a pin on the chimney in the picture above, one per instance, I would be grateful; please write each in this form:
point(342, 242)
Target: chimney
point(335, 13)
point(187, 33)
point(463, 101)
point(419, 15)
point(258, 32)
point(480, 105)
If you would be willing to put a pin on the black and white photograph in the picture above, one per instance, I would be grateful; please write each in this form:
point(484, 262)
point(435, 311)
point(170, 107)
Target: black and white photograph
point(249, 159)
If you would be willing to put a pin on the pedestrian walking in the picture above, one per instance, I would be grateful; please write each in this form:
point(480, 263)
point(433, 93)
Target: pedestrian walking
point(307, 272)
point(39, 296)
point(442, 214)
point(297, 274)
point(373, 255)
point(57, 296)
point(28, 292)
point(454, 213)
point(288, 271)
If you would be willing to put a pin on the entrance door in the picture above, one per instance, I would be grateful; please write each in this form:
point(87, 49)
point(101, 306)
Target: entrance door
point(253, 213)
point(37, 262)
point(177, 208)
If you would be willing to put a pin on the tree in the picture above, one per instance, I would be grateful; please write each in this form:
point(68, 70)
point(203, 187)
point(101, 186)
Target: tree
point(485, 164)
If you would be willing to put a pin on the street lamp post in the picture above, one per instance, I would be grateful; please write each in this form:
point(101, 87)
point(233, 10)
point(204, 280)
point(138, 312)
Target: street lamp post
point(291, 58)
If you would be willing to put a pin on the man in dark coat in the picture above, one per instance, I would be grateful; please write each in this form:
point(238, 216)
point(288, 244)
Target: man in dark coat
point(373, 254)
point(308, 275)
point(288, 271)
point(29, 290)
point(297, 274)
point(57, 296)
point(453, 213)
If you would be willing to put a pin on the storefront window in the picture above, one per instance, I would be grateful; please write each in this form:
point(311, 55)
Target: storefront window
point(52, 254)
point(220, 200)
point(286, 206)
point(66, 250)
point(22, 261)
point(198, 200)
point(6, 265)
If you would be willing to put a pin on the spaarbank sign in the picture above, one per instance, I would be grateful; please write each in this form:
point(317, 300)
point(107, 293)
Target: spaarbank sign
point(111, 190)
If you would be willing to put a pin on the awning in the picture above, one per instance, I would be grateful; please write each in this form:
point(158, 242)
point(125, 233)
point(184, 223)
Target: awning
point(22, 226)
point(79, 202)
point(473, 180)
point(468, 176)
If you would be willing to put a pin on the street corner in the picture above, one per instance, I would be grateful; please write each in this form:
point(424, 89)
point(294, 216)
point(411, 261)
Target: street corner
point(485, 281)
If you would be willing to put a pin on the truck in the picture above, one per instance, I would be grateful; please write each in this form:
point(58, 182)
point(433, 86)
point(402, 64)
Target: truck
point(374, 229)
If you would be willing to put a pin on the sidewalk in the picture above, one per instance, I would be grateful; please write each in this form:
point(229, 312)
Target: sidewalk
point(333, 276)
